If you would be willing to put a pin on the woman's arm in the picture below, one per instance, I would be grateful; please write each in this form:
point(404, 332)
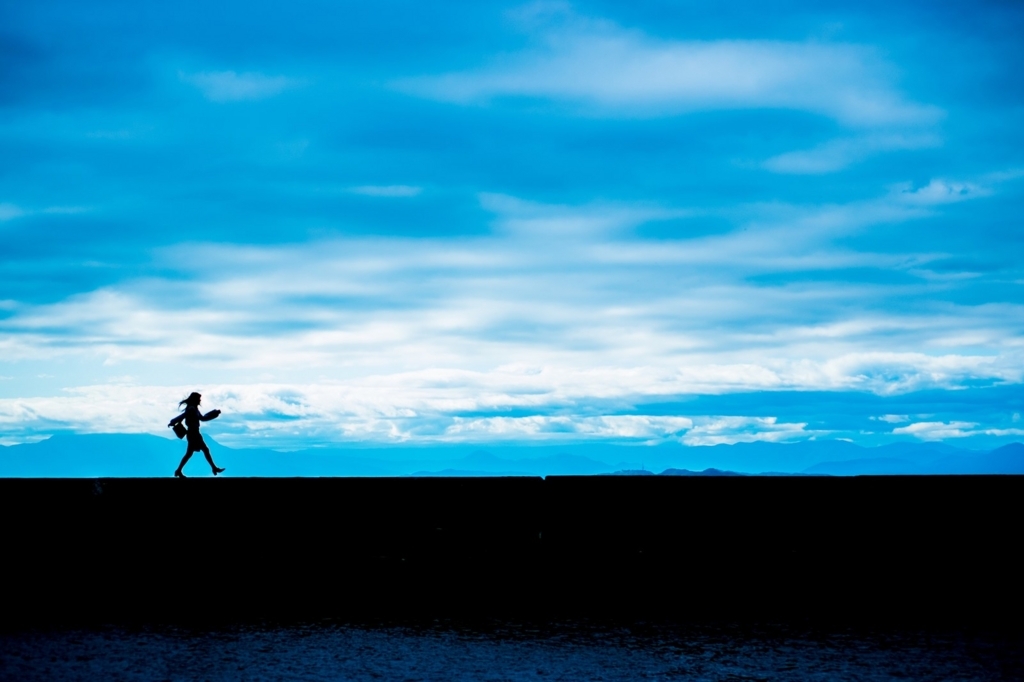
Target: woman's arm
point(212, 414)
point(176, 420)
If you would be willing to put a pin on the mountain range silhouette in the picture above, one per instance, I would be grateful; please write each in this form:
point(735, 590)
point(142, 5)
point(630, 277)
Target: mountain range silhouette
point(142, 455)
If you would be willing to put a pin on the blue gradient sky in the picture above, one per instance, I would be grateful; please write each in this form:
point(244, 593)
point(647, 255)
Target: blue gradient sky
point(401, 222)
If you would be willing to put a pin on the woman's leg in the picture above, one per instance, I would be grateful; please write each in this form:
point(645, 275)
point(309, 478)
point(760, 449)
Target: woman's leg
point(184, 461)
point(209, 458)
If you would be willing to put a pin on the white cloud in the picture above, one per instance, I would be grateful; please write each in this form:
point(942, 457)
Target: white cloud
point(937, 430)
point(387, 190)
point(65, 210)
point(837, 154)
point(273, 415)
point(229, 86)
point(730, 430)
point(531, 219)
point(1002, 432)
point(613, 427)
point(10, 212)
point(608, 70)
point(939, 192)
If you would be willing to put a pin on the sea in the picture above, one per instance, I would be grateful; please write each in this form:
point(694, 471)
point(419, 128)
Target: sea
point(451, 651)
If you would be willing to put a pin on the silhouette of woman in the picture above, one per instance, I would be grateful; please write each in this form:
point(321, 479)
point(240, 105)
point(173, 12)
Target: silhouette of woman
point(192, 416)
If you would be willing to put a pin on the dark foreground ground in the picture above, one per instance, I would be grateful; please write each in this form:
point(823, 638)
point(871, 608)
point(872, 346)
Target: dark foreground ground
point(939, 552)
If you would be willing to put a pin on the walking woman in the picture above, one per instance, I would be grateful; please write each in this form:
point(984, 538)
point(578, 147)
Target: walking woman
point(192, 416)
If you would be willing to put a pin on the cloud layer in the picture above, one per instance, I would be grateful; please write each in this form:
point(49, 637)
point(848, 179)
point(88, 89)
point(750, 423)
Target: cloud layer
point(403, 340)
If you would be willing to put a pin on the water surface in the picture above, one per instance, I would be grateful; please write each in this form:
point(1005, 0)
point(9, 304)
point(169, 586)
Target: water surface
point(446, 651)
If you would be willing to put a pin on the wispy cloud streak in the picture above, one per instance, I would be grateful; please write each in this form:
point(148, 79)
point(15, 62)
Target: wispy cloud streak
point(229, 86)
point(598, 68)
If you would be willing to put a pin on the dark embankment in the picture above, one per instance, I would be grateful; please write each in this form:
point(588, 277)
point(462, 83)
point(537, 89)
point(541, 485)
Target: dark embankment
point(873, 549)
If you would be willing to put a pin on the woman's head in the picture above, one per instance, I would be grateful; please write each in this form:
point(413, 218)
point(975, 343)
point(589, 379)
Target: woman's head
point(192, 401)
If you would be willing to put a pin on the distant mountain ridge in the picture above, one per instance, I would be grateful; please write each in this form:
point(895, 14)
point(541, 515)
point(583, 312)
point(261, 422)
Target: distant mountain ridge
point(706, 472)
point(142, 455)
point(1008, 459)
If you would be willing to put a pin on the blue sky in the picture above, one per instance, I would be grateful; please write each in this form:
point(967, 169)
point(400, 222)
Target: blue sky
point(402, 223)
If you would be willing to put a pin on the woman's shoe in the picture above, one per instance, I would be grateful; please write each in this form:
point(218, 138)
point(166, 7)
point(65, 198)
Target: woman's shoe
point(178, 474)
point(217, 470)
